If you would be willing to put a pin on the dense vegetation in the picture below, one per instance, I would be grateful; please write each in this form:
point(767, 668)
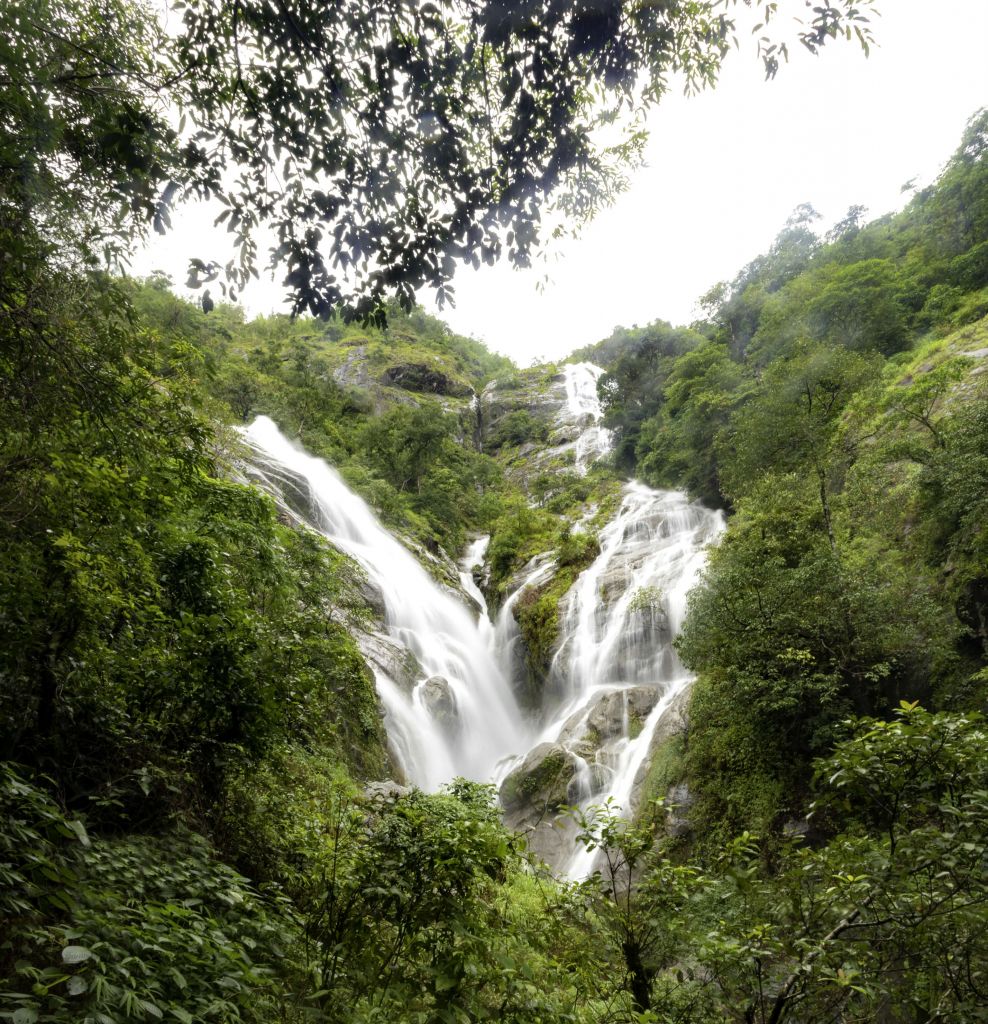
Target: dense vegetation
point(834, 401)
point(187, 725)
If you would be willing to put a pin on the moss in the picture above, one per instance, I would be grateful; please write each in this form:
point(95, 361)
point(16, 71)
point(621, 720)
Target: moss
point(546, 783)
point(635, 725)
point(537, 609)
point(666, 768)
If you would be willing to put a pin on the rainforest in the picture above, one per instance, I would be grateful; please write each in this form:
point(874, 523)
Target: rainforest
point(351, 672)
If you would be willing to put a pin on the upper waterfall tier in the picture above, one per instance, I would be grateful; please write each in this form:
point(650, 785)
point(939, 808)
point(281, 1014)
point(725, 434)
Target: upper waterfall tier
point(454, 713)
point(584, 412)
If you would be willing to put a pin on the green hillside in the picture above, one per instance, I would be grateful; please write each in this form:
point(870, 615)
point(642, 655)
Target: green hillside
point(200, 814)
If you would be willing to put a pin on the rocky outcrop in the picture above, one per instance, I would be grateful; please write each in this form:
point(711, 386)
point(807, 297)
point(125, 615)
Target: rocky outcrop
point(424, 379)
point(352, 373)
point(440, 701)
point(532, 795)
point(386, 792)
point(671, 724)
point(620, 710)
point(391, 659)
point(535, 396)
point(540, 783)
point(679, 801)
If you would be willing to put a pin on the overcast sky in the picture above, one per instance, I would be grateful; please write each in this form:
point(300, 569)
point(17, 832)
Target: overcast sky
point(724, 170)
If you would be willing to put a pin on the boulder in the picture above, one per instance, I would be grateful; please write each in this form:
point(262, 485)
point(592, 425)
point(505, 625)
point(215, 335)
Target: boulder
point(440, 702)
point(540, 782)
point(533, 793)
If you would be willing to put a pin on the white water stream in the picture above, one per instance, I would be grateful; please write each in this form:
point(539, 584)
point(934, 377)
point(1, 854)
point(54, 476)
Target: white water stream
point(615, 673)
point(421, 616)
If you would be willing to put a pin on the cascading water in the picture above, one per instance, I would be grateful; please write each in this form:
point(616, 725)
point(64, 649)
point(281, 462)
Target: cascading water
point(460, 717)
point(445, 675)
point(582, 411)
point(616, 672)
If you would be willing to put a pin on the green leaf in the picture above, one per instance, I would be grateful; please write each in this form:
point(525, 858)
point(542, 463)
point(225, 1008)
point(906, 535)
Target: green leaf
point(77, 985)
point(80, 830)
point(25, 1015)
point(76, 954)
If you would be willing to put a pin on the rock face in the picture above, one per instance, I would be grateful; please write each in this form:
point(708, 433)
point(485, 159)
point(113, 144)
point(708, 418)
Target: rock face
point(540, 397)
point(391, 659)
point(679, 801)
point(426, 379)
point(439, 699)
point(672, 723)
point(617, 713)
point(533, 793)
point(353, 372)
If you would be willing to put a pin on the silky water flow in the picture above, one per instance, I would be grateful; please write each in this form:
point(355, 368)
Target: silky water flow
point(615, 663)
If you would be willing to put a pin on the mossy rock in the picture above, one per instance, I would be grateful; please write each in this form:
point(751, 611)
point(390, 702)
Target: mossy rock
point(426, 379)
point(542, 780)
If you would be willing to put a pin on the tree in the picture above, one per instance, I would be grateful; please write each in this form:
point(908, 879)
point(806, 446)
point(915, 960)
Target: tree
point(679, 446)
point(380, 143)
point(631, 389)
point(792, 423)
point(860, 308)
point(85, 147)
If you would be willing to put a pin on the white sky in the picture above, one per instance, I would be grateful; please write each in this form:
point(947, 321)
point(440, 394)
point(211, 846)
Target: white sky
point(724, 171)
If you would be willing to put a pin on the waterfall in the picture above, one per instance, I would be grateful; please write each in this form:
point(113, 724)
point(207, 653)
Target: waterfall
point(582, 411)
point(459, 716)
point(616, 669)
point(444, 671)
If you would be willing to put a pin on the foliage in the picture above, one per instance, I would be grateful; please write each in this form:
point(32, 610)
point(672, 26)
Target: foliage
point(678, 445)
point(384, 145)
point(158, 622)
point(632, 388)
point(885, 917)
point(92, 922)
point(517, 428)
point(85, 145)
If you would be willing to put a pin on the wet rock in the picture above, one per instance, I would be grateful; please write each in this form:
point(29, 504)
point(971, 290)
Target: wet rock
point(587, 784)
point(391, 659)
point(672, 722)
point(564, 435)
point(440, 701)
point(539, 783)
point(621, 709)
